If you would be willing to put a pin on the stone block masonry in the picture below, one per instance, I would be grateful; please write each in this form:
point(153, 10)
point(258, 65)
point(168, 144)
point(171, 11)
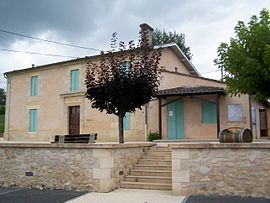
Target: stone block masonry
point(89, 167)
point(221, 169)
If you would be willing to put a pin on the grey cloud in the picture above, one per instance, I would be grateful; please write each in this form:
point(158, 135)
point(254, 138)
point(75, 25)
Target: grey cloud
point(70, 19)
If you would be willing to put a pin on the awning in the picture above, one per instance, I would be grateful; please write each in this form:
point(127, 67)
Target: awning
point(185, 91)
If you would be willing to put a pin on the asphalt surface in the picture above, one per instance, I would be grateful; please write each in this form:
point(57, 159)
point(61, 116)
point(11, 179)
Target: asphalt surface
point(224, 199)
point(22, 195)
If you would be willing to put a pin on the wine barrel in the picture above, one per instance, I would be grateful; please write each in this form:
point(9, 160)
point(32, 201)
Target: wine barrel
point(235, 134)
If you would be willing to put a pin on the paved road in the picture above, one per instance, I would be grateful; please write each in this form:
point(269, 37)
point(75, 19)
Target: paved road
point(19, 195)
point(224, 199)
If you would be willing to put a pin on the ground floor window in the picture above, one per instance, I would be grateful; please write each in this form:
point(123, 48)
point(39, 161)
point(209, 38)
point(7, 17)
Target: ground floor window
point(33, 120)
point(209, 114)
point(127, 121)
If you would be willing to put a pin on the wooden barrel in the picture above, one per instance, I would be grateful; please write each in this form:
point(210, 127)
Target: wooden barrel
point(235, 134)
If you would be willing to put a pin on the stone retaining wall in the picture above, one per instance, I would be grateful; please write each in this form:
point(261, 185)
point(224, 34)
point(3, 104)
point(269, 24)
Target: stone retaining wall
point(95, 167)
point(221, 169)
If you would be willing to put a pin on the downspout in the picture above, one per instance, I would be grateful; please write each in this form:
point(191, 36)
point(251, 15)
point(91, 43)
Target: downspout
point(7, 108)
point(218, 115)
point(145, 121)
point(250, 113)
point(159, 118)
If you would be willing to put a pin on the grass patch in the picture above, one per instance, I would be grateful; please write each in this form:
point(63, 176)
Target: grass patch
point(2, 123)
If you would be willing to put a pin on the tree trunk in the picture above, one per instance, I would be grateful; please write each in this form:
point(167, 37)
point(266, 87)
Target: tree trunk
point(121, 129)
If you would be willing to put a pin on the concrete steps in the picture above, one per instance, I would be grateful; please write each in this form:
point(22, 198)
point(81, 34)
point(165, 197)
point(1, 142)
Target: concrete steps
point(144, 172)
point(155, 162)
point(146, 186)
point(153, 167)
point(153, 171)
point(148, 179)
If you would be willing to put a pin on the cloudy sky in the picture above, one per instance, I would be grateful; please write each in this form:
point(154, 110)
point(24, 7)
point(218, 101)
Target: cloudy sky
point(90, 23)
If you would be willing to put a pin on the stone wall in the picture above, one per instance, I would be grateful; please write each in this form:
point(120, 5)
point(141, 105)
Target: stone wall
point(95, 167)
point(221, 169)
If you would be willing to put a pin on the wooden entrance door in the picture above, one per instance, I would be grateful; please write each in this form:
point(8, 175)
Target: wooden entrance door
point(263, 123)
point(74, 120)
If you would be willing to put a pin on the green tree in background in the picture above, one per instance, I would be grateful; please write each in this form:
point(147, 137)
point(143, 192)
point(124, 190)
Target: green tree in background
point(2, 96)
point(162, 37)
point(2, 109)
point(246, 59)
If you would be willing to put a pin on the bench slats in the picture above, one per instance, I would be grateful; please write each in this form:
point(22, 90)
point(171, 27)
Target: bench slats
point(81, 138)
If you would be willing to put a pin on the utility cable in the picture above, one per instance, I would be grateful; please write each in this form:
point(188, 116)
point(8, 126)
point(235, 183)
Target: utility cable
point(37, 53)
point(210, 72)
point(50, 41)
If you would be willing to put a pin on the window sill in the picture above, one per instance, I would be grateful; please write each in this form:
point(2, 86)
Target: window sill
point(73, 94)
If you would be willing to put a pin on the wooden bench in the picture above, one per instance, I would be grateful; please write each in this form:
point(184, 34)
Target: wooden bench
point(80, 138)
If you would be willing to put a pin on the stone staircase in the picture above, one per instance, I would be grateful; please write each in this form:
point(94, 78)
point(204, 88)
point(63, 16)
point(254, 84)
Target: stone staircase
point(153, 171)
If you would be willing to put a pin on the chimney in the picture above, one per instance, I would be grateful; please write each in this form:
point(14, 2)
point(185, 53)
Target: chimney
point(146, 30)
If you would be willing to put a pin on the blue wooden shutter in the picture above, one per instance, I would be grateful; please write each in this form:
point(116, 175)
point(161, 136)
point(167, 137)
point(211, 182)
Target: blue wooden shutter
point(33, 120)
point(34, 86)
point(127, 121)
point(74, 80)
point(209, 112)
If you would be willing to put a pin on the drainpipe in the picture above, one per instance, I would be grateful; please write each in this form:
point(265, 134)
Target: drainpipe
point(7, 110)
point(145, 121)
point(159, 118)
point(250, 113)
point(218, 115)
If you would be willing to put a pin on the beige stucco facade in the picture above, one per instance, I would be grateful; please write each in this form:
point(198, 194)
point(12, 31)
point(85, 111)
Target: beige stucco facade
point(54, 98)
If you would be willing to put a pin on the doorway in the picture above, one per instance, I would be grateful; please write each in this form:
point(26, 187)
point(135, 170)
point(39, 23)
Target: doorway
point(74, 120)
point(263, 123)
point(175, 120)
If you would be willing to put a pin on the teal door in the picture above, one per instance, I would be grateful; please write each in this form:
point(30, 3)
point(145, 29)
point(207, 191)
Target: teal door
point(175, 120)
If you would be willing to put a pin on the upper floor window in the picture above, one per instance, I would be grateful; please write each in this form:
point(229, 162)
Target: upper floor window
point(125, 66)
point(209, 112)
point(74, 80)
point(34, 86)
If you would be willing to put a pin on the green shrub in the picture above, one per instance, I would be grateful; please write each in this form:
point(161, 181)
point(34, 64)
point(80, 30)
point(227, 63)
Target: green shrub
point(2, 109)
point(2, 123)
point(153, 136)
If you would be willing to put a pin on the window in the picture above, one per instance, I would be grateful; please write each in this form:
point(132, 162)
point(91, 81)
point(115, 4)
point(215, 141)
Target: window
point(125, 66)
point(33, 120)
point(34, 86)
point(209, 112)
point(74, 80)
point(127, 121)
point(175, 69)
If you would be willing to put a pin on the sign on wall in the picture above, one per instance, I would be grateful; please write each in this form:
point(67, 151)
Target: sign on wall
point(235, 112)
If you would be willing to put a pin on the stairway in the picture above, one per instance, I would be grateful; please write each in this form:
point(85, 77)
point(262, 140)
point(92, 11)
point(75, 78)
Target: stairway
point(152, 172)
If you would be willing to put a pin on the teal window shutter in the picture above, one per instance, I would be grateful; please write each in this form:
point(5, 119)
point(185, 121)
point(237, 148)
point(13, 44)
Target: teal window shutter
point(209, 114)
point(125, 66)
point(33, 120)
point(127, 121)
point(74, 80)
point(34, 86)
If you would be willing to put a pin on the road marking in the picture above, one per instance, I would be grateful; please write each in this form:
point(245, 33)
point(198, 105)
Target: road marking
point(3, 193)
